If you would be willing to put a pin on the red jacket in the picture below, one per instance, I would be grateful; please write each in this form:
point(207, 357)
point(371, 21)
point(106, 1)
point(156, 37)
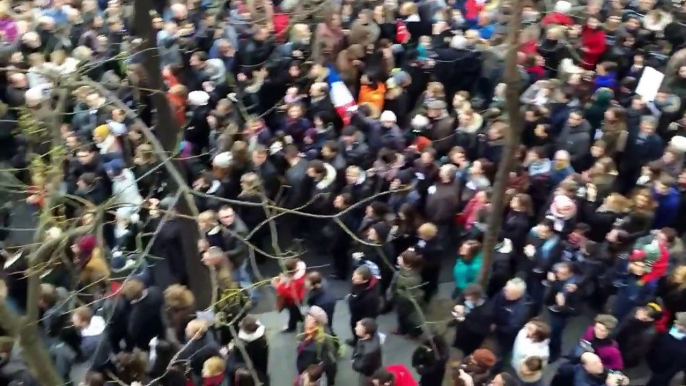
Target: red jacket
point(557, 18)
point(529, 48)
point(293, 288)
point(593, 40)
point(281, 21)
point(472, 9)
point(403, 376)
point(659, 267)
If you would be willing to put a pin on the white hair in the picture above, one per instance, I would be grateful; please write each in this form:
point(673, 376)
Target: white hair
point(562, 154)
point(679, 143)
point(458, 42)
point(517, 284)
point(563, 7)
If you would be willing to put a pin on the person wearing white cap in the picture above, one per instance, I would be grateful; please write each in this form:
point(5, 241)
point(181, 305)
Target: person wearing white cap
point(197, 131)
point(222, 160)
point(391, 135)
point(198, 98)
point(560, 16)
point(388, 117)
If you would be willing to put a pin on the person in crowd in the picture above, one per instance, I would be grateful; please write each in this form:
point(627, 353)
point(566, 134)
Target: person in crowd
point(363, 301)
point(635, 336)
point(180, 309)
point(563, 300)
point(473, 312)
point(255, 350)
point(214, 372)
point(367, 353)
point(666, 357)
point(290, 290)
point(409, 294)
point(138, 318)
point(542, 252)
point(598, 338)
point(531, 353)
point(590, 371)
point(467, 267)
point(199, 347)
point(320, 296)
point(317, 345)
point(430, 359)
point(510, 311)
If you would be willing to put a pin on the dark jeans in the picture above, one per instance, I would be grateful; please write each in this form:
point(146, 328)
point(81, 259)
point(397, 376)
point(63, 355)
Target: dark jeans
point(430, 275)
point(407, 327)
point(557, 326)
point(341, 260)
point(294, 316)
point(536, 291)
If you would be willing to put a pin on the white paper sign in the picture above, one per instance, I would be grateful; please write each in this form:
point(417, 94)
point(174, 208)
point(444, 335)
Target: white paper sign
point(649, 84)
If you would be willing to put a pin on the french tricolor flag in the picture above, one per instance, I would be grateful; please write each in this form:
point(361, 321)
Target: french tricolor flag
point(341, 98)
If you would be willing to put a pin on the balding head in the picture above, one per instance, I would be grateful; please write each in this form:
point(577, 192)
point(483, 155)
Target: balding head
point(592, 363)
point(562, 155)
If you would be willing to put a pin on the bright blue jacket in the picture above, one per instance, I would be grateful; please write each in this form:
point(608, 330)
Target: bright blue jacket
point(467, 273)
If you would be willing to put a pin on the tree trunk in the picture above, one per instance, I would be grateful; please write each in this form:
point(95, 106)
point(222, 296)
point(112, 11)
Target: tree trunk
point(512, 79)
point(168, 132)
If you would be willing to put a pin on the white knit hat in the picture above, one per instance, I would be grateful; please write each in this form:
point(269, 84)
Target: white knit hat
point(563, 7)
point(222, 160)
point(678, 143)
point(420, 122)
point(388, 116)
point(198, 98)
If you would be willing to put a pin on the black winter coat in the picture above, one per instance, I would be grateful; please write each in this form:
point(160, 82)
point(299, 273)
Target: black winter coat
point(367, 356)
point(363, 301)
point(323, 299)
point(430, 361)
point(198, 351)
point(257, 348)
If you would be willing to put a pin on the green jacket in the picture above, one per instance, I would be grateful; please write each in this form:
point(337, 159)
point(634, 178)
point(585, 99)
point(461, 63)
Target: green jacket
point(467, 273)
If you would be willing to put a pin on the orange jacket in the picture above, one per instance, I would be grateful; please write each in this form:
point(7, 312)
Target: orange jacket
point(178, 106)
point(371, 96)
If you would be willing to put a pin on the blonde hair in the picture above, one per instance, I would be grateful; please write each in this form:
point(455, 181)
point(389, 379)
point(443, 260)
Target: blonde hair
point(617, 203)
point(133, 289)
point(208, 216)
point(82, 53)
point(678, 277)
point(145, 152)
point(427, 230)
point(251, 182)
point(556, 31)
point(299, 31)
point(179, 90)
point(408, 8)
point(196, 327)
point(213, 366)
point(178, 296)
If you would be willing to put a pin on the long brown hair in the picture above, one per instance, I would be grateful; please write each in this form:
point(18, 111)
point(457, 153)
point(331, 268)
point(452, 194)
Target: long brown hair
point(525, 203)
point(472, 248)
point(649, 207)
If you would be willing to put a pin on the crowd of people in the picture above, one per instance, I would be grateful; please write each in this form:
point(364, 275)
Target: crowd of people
point(369, 132)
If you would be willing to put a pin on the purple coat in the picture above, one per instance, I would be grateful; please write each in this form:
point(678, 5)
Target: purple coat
point(9, 28)
point(609, 354)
